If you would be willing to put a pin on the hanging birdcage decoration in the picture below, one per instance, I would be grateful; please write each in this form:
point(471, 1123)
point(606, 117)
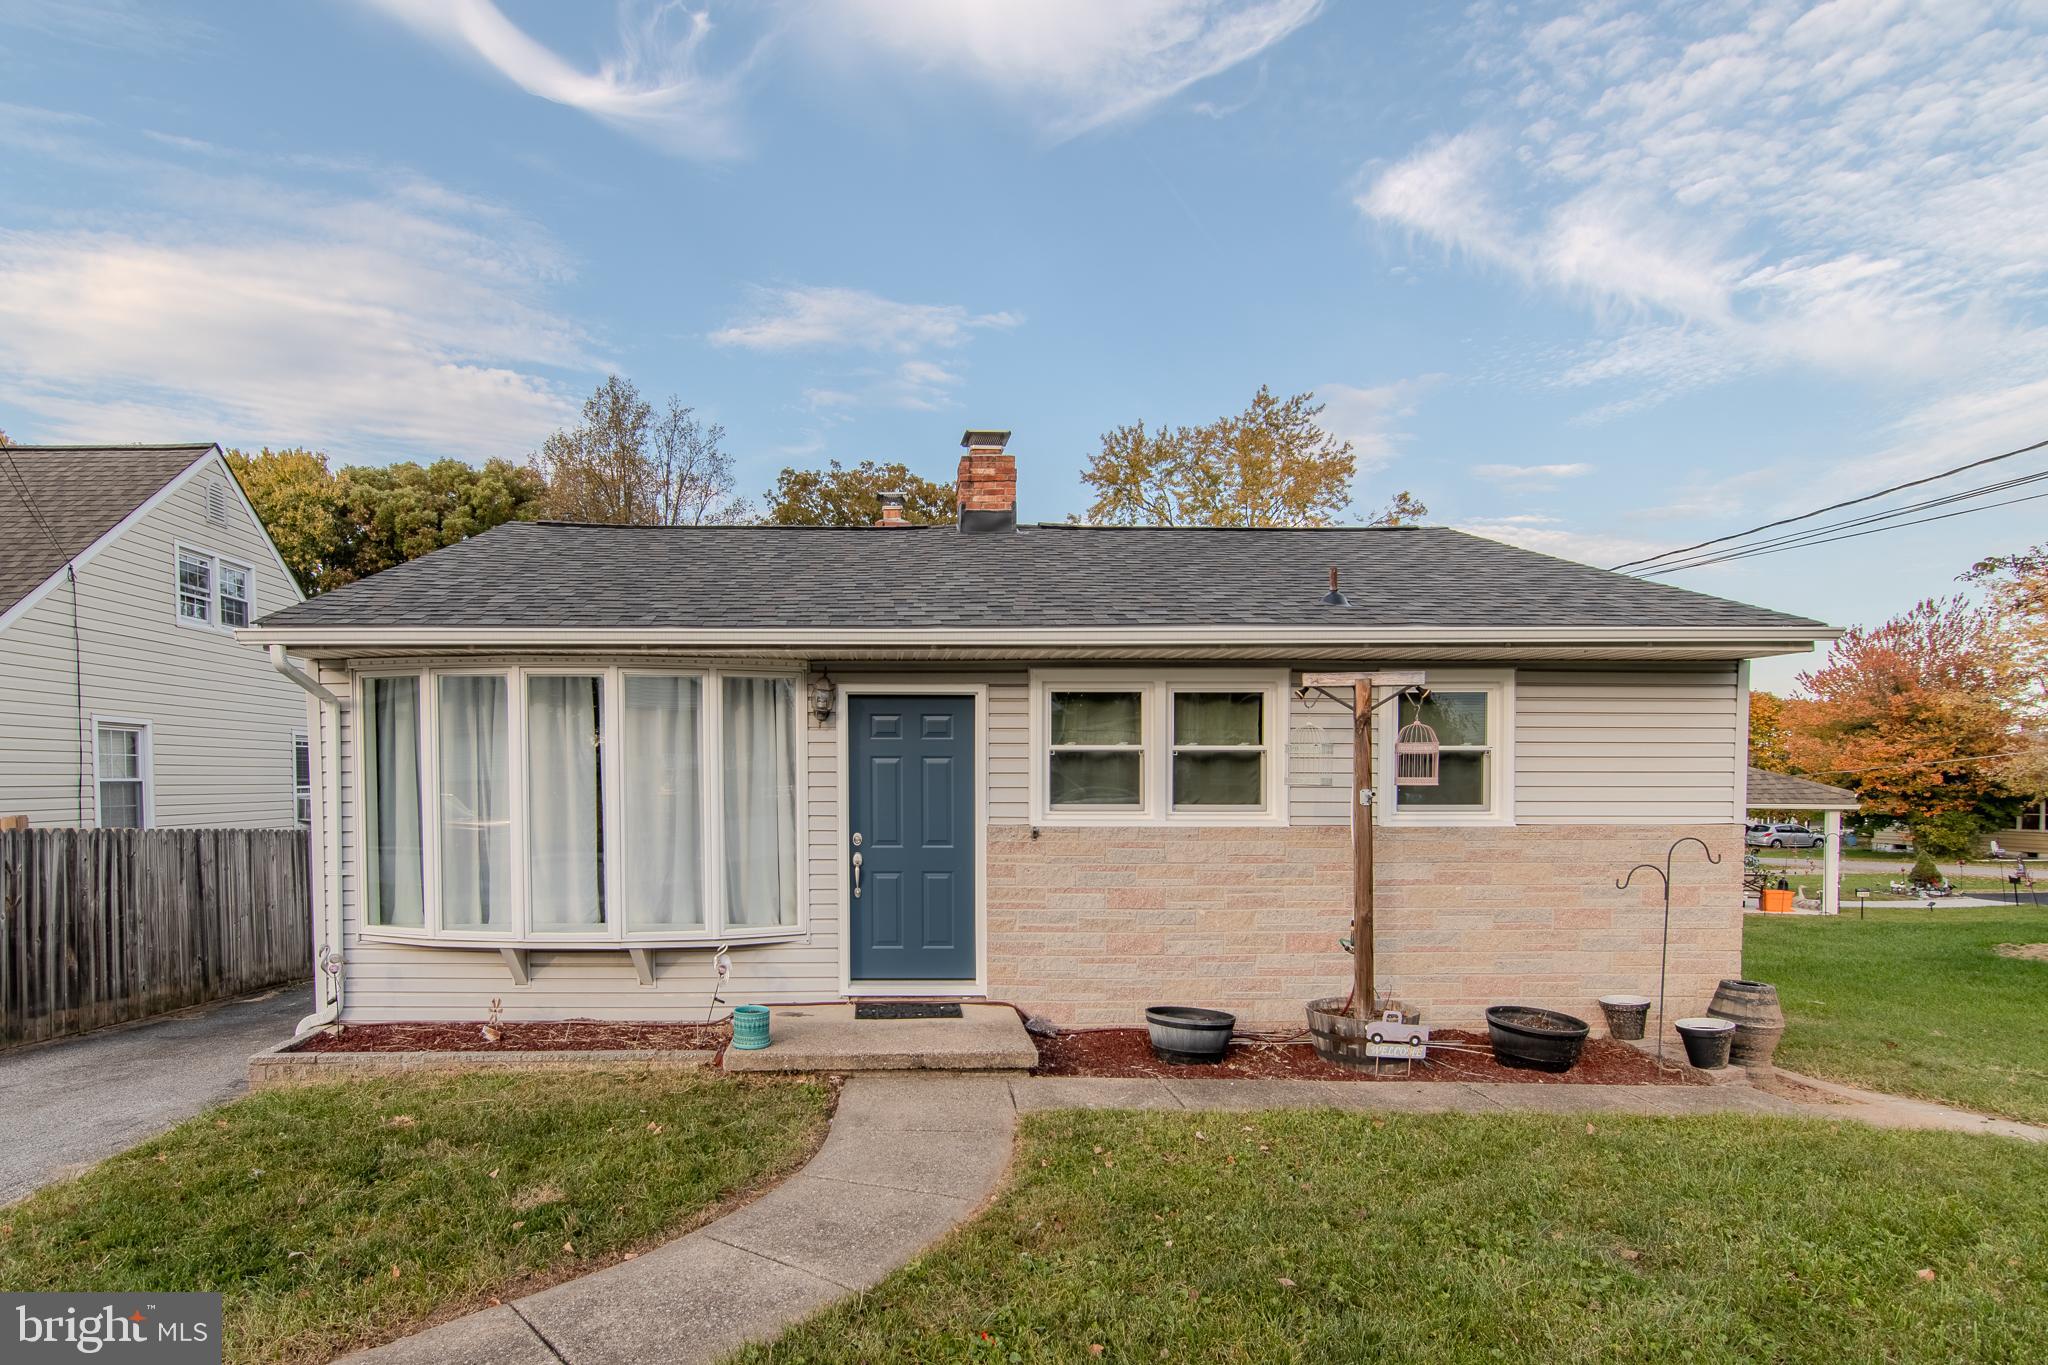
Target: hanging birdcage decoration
point(1415, 754)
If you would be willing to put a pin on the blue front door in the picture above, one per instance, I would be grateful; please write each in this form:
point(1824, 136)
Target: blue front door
point(910, 789)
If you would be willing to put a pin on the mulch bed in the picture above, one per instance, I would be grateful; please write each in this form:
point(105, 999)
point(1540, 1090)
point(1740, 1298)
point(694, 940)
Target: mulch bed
point(1128, 1052)
point(568, 1035)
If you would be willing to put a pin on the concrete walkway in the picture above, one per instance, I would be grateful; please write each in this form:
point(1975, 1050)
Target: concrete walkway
point(912, 1155)
point(909, 1157)
point(74, 1102)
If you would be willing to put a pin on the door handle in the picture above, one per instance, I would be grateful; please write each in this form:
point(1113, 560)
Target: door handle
point(856, 876)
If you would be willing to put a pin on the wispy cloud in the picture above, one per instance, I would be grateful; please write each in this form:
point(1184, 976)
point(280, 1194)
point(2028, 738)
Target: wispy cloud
point(1078, 64)
point(1531, 473)
point(817, 316)
point(657, 86)
point(379, 315)
point(1370, 417)
point(1550, 536)
point(1841, 189)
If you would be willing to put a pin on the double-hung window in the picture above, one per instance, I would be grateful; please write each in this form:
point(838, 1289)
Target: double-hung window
point(1469, 715)
point(213, 591)
point(120, 758)
point(1142, 749)
point(581, 805)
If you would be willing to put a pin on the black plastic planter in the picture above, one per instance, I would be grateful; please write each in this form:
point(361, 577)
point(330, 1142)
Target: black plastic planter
point(1543, 1040)
point(1187, 1036)
point(1706, 1041)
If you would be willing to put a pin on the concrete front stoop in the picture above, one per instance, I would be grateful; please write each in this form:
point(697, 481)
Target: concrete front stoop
point(828, 1039)
point(908, 1158)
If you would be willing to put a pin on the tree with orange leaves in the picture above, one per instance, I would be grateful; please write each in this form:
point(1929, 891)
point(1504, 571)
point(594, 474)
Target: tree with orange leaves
point(1914, 715)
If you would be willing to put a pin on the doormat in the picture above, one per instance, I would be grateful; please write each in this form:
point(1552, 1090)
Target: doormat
point(871, 1011)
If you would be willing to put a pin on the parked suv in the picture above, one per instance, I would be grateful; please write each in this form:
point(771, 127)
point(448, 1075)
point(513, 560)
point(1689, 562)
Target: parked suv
point(1784, 836)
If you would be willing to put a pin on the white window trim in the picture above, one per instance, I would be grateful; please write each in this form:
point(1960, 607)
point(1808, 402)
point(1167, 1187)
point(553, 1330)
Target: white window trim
point(520, 933)
point(145, 760)
point(181, 550)
point(1499, 685)
point(300, 793)
point(1156, 761)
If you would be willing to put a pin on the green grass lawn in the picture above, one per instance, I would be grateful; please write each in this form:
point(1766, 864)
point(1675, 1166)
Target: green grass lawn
point(1914, 1002)
point(1322, 1236)
point(338, 1215)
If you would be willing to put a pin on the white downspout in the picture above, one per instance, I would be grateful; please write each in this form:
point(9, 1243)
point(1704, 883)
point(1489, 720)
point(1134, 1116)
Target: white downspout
point(326, 910)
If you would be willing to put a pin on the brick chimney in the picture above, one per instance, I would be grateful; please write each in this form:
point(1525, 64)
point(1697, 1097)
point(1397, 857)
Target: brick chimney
point(892, 510)
point(988, 483)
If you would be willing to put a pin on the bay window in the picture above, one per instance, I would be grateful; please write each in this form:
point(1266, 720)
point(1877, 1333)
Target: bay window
point(1140, 749)
point(575, 806)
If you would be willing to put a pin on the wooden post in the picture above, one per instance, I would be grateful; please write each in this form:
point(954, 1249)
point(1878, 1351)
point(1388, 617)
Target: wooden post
point(1362, 999)
point(1362, 801)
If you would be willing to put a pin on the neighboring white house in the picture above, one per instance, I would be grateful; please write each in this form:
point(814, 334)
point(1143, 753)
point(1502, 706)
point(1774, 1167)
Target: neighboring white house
point(125, 699)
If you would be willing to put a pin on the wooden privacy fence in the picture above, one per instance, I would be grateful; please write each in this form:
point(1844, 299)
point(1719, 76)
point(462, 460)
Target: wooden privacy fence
point(102, 926)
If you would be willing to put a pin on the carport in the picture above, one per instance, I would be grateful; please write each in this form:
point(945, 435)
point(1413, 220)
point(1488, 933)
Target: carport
point(1782, 793)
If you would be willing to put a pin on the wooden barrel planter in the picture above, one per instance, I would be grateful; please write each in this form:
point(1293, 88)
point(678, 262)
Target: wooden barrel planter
point(1752, 1006)
point(1340, 1037)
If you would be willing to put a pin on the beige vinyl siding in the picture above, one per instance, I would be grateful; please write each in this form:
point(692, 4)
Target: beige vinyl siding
point(220, 718)
point(1599, 745)
point(1635, 746)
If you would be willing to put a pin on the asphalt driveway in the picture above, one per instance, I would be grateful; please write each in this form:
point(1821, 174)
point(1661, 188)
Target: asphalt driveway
point(72, 1103)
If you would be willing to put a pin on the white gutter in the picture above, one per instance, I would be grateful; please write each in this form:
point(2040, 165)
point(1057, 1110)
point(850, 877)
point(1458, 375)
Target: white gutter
point(815, 638)
point(326, 909)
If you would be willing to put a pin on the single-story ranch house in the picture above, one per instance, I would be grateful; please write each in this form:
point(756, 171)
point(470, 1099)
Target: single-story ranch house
point(632, 772)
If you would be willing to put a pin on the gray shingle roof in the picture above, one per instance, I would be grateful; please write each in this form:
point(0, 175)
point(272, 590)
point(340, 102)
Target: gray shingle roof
point(1056, 576)
point(1783, 791)
point(81, 493)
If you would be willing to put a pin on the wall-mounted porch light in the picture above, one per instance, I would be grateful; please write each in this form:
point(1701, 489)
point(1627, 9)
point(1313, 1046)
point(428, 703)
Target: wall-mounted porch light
point(823, 696)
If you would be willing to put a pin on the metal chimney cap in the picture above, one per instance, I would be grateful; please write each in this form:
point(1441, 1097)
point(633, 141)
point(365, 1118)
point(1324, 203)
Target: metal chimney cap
point(892, 499)
point(985, 440)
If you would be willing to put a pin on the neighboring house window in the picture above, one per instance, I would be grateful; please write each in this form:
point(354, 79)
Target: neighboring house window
point(213, 591)
point(1470, 718)
point(195, 588)
point(302, 778)
point(121, 766)
point(2035, 819)
point(520, 804)
point(1126, 749)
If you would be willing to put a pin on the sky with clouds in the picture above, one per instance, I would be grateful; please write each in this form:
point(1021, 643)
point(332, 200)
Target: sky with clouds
point(1597, 278)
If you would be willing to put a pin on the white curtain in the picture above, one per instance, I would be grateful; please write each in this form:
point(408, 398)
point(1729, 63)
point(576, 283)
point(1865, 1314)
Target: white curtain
point(475, 803)
point(759, 758)
point(391, 810)
point(661, 877)
point(564, 802)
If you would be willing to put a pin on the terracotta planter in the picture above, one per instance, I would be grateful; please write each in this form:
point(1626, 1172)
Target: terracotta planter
point(1776, 902)
point(1752, 1006)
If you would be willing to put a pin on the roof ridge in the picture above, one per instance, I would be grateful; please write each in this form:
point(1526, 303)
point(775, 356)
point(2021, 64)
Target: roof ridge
point(119, 448)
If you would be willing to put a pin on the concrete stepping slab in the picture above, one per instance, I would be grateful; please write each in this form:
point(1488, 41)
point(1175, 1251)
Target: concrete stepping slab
point(496, 1336)
point(827, 1038)
point(831, 1229)
point(956, 1164)
point(909, 1101)
point(1038, 1093)
point(693, 1300)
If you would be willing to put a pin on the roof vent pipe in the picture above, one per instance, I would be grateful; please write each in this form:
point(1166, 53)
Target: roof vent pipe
point(1334, 598)
point(988, 483)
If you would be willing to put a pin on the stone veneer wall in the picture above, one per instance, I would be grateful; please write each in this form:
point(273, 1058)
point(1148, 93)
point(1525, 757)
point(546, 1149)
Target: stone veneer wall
point(1089, 926)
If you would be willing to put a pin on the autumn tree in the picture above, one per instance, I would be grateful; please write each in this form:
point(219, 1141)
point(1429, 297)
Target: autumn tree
point(1270, 465)
point(1769, 739)
point(2016, 595)
point(333, 527)
point(1907, 714)
point(837, 496)
point(626, 464)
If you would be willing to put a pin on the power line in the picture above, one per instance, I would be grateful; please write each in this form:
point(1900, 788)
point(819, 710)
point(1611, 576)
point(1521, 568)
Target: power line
point(1792, 539)
point(1829, 540)
point(1835, 507)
